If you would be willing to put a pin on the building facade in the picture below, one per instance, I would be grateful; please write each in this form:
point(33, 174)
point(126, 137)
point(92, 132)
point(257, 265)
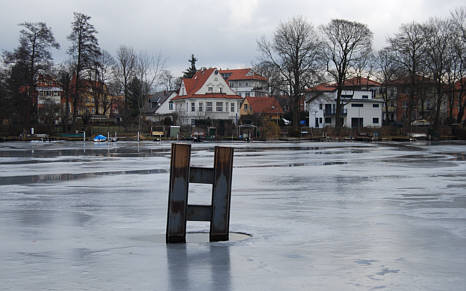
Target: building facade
point(263, 106)
point(246, 83)
point(360, 108)
point(206, 96)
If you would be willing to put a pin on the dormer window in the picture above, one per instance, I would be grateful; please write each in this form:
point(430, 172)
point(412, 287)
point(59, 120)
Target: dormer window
point(210, 89)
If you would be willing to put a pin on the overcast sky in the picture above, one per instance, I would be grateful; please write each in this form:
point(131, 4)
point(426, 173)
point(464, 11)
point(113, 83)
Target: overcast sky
point(221, 33)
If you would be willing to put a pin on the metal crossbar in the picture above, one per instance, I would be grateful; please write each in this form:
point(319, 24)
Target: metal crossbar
point(181, 174)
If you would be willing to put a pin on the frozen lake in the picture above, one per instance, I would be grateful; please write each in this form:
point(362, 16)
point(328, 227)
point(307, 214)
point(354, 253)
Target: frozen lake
point(322, 216)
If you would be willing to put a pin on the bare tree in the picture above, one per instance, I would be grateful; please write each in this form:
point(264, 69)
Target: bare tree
point(437, 41)
point(148, 71)
point(347, 44)
point(408, 46)
point(99, 77)
point(167, 81)
point(388, 71)
point(84, 51)
point(275, 83)
point(124, 72)
point(294, 53)
point(457, 70)
point(64, 77)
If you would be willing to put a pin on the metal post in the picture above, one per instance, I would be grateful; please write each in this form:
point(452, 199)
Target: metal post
point(181, 174)
point(221, 194)
point(178, 193)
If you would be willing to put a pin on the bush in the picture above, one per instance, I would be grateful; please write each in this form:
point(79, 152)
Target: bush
point(270, 130)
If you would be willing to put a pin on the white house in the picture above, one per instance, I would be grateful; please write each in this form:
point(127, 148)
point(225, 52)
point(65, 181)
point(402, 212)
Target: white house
point(167, 106)
point(245, 82)
point(360, 108)
point(159, 106)
point(206, 96)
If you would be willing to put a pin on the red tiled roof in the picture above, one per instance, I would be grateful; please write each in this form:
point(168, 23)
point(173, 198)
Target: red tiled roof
point(264, 105)
point(361, 81)
point(323, 88)
point(357, 81)
point(210, 95)
point(242, 74)
point(407, 80)
point(195, 83)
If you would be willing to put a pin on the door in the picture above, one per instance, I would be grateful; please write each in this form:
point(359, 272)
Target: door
point(356, 122)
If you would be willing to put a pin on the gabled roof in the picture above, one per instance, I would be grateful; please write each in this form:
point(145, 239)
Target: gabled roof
point(197, 81)
point(194, 84)
point(407, 80)
point(361, 81)
point(241, 74)
point(353, 82)
point(323, 88)
point(264, 105)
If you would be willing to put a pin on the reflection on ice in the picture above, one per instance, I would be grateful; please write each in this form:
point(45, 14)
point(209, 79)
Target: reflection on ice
point(323, 216)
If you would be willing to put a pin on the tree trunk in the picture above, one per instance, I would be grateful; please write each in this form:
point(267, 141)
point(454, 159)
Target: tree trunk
point(338, 114)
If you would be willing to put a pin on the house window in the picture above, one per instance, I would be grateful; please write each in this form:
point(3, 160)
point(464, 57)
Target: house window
point(200, 106)
point(193, 122)
point(170, 105)
point(365, 97)
point(219, 106)
point(208, 107)
point(246, 107)
point(210, 89)
point(320, 119)
point(357, 105)
point(248, 94)
point(220, 90)
point(375, 105)
point(154, 104)
point(375, 120)
point(320, 106)
point(232, 107)
point(193, 106)
point(328, 120)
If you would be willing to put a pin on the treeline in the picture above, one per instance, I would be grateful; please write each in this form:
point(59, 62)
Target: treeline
point(128, 72)
point(299, 56)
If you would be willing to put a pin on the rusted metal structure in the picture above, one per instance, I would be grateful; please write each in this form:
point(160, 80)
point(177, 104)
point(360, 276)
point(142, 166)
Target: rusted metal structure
point(181, 174)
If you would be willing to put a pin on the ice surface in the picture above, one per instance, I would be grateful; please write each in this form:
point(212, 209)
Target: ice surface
point(323, 216)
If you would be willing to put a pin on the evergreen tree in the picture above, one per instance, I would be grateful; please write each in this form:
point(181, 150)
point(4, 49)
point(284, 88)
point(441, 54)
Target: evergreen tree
point(189, 73)
point(31, 58)
point(134, 97)
point(84, 50)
